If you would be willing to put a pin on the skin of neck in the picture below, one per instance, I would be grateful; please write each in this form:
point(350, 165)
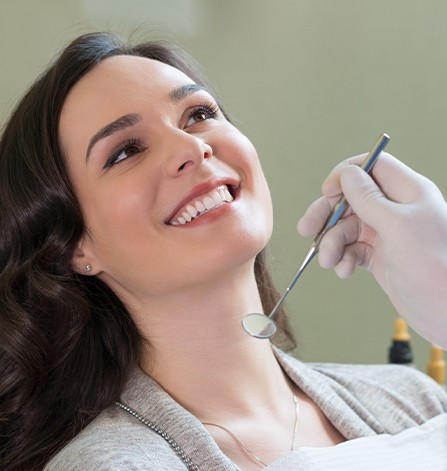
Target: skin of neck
point(198, 352)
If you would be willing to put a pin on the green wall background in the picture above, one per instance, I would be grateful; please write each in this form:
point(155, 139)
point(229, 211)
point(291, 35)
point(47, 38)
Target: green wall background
point(311, 82)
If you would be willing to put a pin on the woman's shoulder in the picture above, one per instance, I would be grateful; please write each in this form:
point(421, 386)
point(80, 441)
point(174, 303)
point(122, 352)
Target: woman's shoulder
point(385, 398)
point(398, 397)
point(114, 441)
point(388, 380)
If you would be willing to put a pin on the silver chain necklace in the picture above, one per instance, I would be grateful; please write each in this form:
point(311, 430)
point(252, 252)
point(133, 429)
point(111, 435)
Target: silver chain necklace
point(171, 442)
point(241, 443)
point(179, 450)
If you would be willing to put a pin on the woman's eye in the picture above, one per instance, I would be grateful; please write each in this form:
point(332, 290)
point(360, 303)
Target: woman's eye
point(202, 113)
point(128, 149)
point(200, 116)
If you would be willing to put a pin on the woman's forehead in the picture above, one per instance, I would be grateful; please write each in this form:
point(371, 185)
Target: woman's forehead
point(128, 71)
point(117, 85)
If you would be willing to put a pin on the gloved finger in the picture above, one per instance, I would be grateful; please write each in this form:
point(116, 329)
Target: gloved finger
point(366, 198)
point(335, 241)
point(316, 216)
point(397, 181)
point(358, 254)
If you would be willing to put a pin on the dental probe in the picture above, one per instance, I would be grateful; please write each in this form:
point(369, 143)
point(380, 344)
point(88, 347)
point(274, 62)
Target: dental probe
point(263, 327)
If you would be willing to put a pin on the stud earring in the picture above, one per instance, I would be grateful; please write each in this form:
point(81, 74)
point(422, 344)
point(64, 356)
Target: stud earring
point(88, 268)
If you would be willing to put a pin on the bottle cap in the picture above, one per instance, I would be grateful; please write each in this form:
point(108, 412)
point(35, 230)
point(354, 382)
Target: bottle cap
point(436, 365)
point(401, 330)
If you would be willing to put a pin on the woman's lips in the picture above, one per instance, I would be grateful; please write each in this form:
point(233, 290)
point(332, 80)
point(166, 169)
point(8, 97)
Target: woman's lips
point(201, 204)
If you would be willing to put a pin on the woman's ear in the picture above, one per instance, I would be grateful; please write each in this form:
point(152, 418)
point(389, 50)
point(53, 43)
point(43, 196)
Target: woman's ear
point(83, 260)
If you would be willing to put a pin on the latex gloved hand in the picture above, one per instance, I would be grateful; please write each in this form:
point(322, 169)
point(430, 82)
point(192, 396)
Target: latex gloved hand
point(396, 228)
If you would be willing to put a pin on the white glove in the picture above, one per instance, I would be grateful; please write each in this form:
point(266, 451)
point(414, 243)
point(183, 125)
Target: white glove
point(396, 228)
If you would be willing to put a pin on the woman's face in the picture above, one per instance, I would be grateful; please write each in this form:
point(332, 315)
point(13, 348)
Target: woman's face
point(147, 151)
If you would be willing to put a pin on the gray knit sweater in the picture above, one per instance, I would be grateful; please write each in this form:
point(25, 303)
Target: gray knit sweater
point(360, 401)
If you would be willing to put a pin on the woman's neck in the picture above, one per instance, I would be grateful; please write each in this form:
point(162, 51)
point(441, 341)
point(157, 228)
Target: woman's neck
point(199, 353)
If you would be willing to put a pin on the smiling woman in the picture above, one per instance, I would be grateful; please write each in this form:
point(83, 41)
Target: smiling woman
point(134, 220)
point(182, 150)
point(68, 342)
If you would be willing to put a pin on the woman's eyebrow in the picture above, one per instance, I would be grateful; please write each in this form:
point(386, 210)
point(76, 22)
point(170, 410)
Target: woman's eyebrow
point(131, 119)
point(183, 91)
point(121, 123)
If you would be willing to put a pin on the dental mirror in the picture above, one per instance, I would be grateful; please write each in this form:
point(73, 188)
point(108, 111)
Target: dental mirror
point(263, 327)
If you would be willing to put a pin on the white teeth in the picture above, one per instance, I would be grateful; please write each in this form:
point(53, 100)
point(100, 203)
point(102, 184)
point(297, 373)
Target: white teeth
point(187, 216)
point(192, 210)
point(210, 201)
point(200, 206)
point(216, 198)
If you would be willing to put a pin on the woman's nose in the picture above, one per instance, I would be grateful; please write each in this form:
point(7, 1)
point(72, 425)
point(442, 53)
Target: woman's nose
point(185, 152)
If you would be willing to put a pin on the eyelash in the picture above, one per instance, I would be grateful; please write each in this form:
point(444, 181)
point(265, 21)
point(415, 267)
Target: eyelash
point(129, 143)
point(210, 108)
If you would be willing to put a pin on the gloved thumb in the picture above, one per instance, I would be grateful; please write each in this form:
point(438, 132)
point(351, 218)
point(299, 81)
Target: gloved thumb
point(365, 197)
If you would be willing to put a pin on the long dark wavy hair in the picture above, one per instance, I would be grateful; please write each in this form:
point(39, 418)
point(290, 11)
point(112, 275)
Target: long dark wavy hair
point(67, 343)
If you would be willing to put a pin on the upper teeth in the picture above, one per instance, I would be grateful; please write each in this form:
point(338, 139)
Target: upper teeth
point(201, 205)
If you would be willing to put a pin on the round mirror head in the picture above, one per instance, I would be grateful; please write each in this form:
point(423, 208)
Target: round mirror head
point(259, 326)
